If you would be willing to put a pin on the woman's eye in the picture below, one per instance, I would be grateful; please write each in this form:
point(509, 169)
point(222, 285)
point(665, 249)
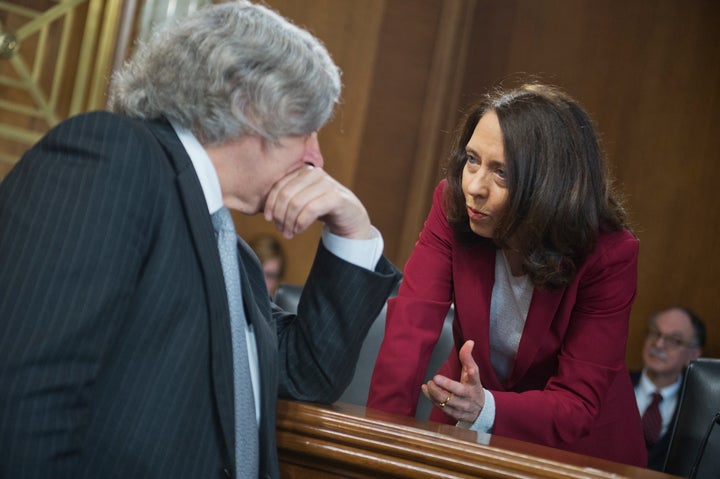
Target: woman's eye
point(501, 173)
point(470, 159)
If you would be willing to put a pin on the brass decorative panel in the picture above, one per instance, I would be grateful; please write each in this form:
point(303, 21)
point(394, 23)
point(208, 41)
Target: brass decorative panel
point(55, 58)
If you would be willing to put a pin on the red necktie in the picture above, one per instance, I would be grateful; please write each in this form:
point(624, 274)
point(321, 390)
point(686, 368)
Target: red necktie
point(652, 420)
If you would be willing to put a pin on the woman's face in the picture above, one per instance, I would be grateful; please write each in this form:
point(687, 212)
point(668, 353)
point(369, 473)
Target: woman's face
point(483, 177)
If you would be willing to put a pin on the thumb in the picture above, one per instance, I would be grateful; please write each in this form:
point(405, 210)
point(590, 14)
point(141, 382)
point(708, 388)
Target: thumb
point(470, 374)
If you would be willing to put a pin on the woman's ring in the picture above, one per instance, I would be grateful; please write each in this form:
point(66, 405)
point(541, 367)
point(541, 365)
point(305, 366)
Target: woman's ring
point(444, 403)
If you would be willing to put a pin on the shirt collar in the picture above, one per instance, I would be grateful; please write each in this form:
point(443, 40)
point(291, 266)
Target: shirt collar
point(206, 173)
point(647, 387)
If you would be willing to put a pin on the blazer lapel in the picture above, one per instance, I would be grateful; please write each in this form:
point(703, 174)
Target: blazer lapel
point(543, 306)
point(470, 260)
point(201, 230)
point(486, 263)
point(259, 315)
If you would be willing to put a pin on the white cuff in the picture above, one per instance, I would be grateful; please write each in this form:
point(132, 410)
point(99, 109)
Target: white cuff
point(486, 419)
point(363, 253)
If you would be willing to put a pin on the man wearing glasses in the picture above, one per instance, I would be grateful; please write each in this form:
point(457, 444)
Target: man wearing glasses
point(675, 337)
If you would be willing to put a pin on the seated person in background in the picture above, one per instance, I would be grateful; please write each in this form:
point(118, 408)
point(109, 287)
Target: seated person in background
point(272, 259)
point(675, 337)
point(527, 238)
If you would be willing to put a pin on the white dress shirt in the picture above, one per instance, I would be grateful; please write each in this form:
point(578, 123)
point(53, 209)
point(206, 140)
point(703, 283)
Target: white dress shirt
point(643, 394)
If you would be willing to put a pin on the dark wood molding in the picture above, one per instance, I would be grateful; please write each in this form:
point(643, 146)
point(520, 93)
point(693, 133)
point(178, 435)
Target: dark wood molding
point(343, 440)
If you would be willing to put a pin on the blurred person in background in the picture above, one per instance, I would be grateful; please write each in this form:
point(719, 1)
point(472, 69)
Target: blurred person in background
point(270, 252)
point(675, 336)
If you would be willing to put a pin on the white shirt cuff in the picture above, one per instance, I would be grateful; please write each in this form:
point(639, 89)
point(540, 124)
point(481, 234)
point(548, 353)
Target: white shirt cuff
point(363, 253)
point(486, 419)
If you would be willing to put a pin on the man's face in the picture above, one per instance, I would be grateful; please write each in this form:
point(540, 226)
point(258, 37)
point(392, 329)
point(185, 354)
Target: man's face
point(248, 168)
point(670, 344)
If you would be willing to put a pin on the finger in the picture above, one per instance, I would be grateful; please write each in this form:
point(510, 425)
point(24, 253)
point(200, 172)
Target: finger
point(279, 192)
point(466, 408)
point(432, 396)
point(459, 409)
point(448, 385)
point(435, 393)
point(457, 401)
point(291, 196)
point(426, 392)
point(465, 353)
point(442, 396)
point(442, 399)
point(311, 204)
point(310, 194)
point(271, 201)
point(470, 374)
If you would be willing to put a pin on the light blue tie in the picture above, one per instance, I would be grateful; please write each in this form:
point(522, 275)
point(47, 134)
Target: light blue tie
point(246, 428)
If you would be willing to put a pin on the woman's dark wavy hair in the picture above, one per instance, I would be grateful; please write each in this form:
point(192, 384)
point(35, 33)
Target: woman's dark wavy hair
point(560, 194)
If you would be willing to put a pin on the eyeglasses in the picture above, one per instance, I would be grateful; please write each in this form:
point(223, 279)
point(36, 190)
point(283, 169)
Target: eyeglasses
point(672, 342)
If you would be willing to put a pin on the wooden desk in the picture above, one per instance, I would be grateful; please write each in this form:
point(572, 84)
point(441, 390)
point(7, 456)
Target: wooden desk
point(344, 440)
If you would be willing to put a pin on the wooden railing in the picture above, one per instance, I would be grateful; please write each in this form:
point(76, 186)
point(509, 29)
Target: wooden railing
point(342, 440)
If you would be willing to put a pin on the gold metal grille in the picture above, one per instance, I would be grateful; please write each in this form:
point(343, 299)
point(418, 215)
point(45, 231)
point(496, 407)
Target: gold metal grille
point(55, 59)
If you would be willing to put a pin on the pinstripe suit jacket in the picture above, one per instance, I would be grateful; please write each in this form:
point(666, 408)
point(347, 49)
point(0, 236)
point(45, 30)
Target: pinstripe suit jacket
point(115, 354)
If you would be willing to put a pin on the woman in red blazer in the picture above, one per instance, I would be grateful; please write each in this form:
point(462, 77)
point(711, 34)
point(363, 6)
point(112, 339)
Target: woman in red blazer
point(527, 239)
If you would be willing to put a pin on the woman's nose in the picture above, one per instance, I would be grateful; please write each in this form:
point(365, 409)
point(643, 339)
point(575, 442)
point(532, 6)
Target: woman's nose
point(478, 185)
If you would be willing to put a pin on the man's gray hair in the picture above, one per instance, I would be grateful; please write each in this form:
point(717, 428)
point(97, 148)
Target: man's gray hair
point(231, 70)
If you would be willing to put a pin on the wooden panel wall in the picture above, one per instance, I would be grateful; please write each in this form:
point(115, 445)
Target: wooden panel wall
point(649, 74)
point(647, 71)
point(402, 62)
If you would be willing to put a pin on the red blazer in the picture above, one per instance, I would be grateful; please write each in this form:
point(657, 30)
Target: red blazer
point(569, 387)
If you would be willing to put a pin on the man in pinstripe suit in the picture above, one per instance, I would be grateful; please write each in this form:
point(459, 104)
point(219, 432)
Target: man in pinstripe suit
point(115, 349)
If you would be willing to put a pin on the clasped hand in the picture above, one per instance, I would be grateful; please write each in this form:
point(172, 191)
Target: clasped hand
point(464, 399)
point(308, 194)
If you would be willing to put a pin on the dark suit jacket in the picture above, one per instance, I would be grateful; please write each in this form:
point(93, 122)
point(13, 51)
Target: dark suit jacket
point(658, 452)
point(115, 353)
point(568, 386)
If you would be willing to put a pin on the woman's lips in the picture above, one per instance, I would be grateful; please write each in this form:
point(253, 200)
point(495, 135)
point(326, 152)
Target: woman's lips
point(475, 214)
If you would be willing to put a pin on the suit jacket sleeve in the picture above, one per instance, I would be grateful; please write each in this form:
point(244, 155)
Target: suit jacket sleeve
point(319, 348)
point(415, 318)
